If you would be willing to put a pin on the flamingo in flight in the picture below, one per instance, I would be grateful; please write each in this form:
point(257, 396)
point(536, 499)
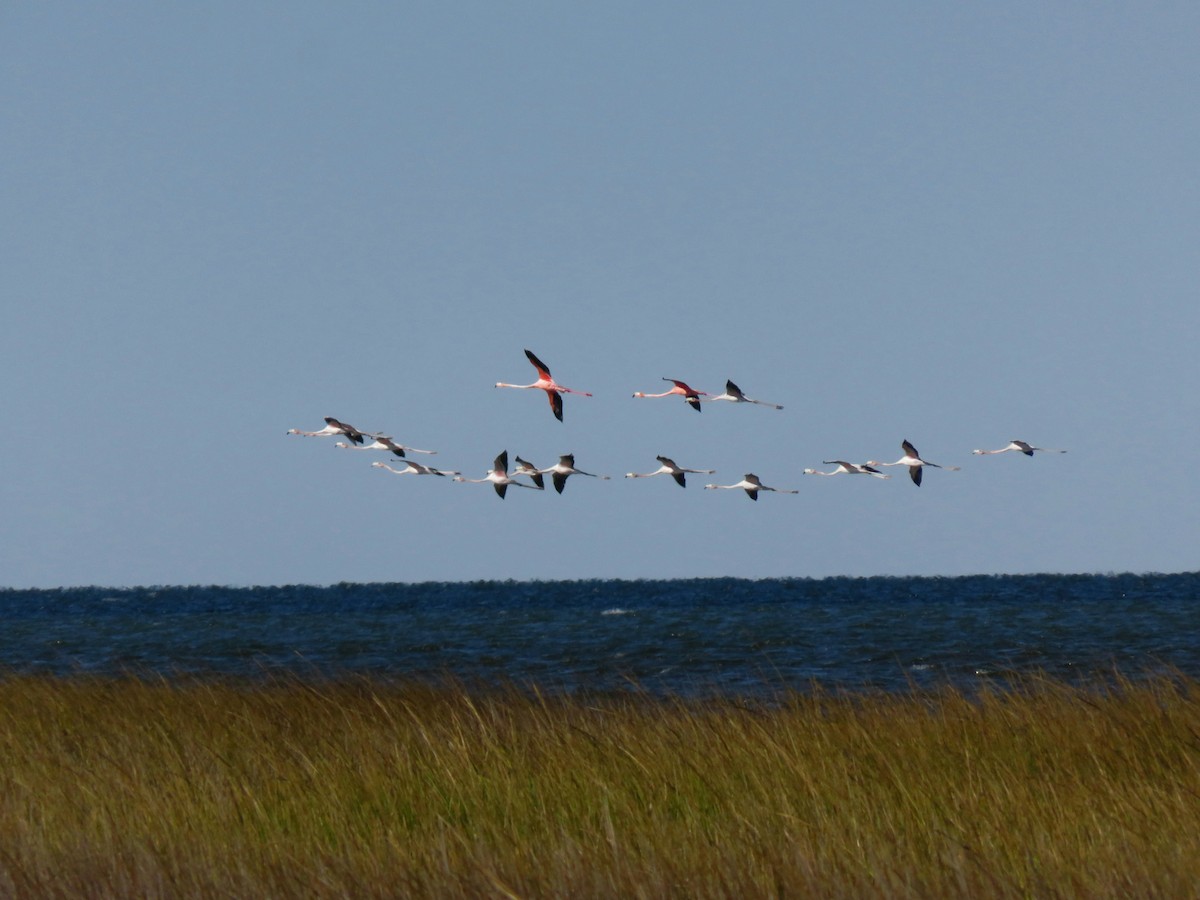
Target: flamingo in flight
point(525, 467)
point(691, 395)
point(847, 468)
point(1019, 447)
point(912, 459)
point(750, 484)
point(564, 469)
point(383, 442)
point(668, 467)
point(333, 426)
point(734, 394)
point(497, 476)
point(412, 468)
point(545, 382)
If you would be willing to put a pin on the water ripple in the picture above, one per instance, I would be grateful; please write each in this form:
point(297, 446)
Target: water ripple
point(664, 636)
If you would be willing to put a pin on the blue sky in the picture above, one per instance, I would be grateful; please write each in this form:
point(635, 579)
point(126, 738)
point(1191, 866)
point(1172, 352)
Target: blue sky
point(953, 223)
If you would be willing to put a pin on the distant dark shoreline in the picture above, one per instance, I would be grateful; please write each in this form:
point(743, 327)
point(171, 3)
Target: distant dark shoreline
point(584, 581)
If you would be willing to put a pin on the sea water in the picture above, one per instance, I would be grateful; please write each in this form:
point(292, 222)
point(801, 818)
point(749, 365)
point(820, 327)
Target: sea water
point(678, 637)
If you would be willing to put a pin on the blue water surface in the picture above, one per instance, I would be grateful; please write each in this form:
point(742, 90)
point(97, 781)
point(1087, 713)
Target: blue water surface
point(667, 637)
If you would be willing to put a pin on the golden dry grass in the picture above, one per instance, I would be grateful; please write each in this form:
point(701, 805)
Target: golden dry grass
point(367, 789)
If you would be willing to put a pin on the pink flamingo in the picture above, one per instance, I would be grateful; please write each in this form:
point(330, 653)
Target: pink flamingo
point(912, 459)
point(691, 395)
point(1019, 447)
point(750, 484)
point(668, 467)
point(546, 383)
point(333, 426)
point(497, 476)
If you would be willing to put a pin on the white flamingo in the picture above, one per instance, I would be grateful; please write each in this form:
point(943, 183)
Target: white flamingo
point(525, 467)
point(546, 383)
point(691, 395)
point(734, 394)
point(1019, 447)
point(383, 442)
point(564, 469)
point(912, 459)
point(412, 468)
point(332, 427)
point(668, 467)
point(497, 476)
point(847, 468)
point(750, 484)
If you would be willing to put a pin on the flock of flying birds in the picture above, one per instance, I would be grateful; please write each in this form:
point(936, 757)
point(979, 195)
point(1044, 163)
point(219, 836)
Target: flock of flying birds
point(500, 477)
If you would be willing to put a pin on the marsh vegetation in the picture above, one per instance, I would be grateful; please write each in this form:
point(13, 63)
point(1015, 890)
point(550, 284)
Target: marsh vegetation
point(187, 787)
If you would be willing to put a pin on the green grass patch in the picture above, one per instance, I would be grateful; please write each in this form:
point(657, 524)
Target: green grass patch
point(130, 787)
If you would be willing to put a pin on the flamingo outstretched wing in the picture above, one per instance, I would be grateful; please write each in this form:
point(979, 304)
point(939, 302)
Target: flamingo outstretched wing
point(542, 369)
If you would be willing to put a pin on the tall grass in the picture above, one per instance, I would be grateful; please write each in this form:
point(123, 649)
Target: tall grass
point(131, 787)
